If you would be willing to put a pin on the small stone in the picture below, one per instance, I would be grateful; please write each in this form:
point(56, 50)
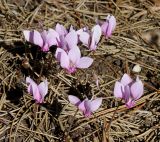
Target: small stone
point(136, 68)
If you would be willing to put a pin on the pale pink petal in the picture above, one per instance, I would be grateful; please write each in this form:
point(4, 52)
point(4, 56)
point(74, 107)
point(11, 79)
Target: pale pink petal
point(118, 90)
point(108, 26)
point(43, 88)
point(74, 55)
point(37, 39)
point(74, 100)
point(33, 89)
point(71, 39)
point(58, 53)
point(126, 93)
point(95, 104)
point(126, 79)
point(137, 89)
point(111, 25)
point(36, 94)
point(33, 37)
point(64, 60)
point(30, 82)
point(81, 106)
point(27, 34)
point(104, 27)
point(62, 43)
point(52, 38)
point(87, 104)
point(60, 29)
point(130, 103)
point(79, 31)
point(84, 38)
point(85, 29)
point(71, 28)
point(84, 62)
point(45, 47)
point(44, 35)
point(96, 33)
point(93, 45)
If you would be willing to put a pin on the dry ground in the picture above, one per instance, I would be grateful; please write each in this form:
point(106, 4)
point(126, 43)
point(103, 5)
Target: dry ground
point(136, 40)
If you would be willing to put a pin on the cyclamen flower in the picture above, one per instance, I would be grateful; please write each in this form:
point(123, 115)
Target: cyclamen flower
point(108, 26)
point(90, 39)
point(72, 60)
point(128, 90)
point(67, 40)
point(44, 40)
point(38, 91)
point(61, 30)
point(86, 106)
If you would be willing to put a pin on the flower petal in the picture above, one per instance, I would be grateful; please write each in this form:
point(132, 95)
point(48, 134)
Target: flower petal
point(84, 62)
point(95, 104)
point(118, 90)
point(84, 38)
point(126, 93)
point(43, 88)
point(60, 29)
point(30, 82)
point(126, 79)
point(74, 55)
point(36, 94)
point(58, 53)
point(108, 26)
point(74, 100)
point(130, 103)
point(104, 27)
point(33, 89)
point(137, 89)
point(111, 25)
point(37, 39)
point(33, 37)
point(64, 60)
point(27, 35)
point(45, 47)
point(71, 39)
point(44, 35)
point(87, 104)
point(52, 38)
point(71, 28)
point(81, 106)
point(96, 33)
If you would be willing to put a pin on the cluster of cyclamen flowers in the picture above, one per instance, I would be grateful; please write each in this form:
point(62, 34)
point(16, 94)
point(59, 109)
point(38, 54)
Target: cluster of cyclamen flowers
point(69, 56)
point(68, 52)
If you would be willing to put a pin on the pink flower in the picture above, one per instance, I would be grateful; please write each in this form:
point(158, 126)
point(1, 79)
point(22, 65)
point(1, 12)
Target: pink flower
point(67, 39)
point(72, 60)
point(128, 90)
point(44, 40)
point(86, 106)
point(108, 26)
point(38, 91)
point(90, 39)
point(61, 30)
